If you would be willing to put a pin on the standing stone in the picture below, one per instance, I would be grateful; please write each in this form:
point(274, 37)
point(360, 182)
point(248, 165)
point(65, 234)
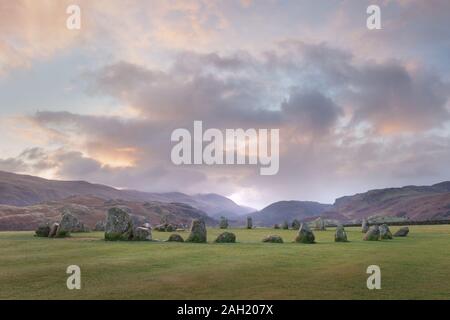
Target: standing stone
point(53, 230)
point(175, 238)
point(295, 224)
point(198, 231)
point(320, 224)
point(100, 226)
point(223, 223)
point(365, 225)
point(305, 235)
point(249, 223)
point(273, 239)
point(119, 225)
point(385, 233)
point(142, 234)
point(226, 237)
point(147, 225)
point(341, 235)
point(43, 230)
point(69, 223)
point(402, 232)
point(285, 225)
point(373, 234)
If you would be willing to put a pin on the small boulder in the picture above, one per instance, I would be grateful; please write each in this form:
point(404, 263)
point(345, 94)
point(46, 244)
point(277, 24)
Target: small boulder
point(42, 231)
point(373, 234)
point(226, 237)
point(175, 238)
point(142, 234)
point(364, 226)
point(402, 232)
point(119, 225)
point(198, 231)
point(273, 239)
point(53, 230)
point(385, 232)
point(340, 235)
point(305, 235)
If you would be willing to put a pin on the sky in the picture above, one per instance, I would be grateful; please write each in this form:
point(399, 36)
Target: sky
point(357, 109)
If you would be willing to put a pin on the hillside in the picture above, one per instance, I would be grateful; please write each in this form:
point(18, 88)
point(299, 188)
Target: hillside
point(281, 211)
point(411, 202)
point(24, 190)
point(90, 210)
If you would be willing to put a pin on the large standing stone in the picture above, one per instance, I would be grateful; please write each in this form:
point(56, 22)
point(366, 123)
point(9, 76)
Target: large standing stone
point(43, 231)
point(273, 239)
point(373, 234)
point(385, 233)
point(198, 231)
point(142, 234)
point(226, 237)
point(249, 223)
point(53, 230)
point(341, 235)
point(365, 226)
point(295, 224)
point(305, 235)
point(402, 232)
point(320, 224)
point(119, 225)
point(69, 223)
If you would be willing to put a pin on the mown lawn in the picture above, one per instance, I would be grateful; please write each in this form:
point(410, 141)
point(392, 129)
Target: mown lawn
point(415, 267)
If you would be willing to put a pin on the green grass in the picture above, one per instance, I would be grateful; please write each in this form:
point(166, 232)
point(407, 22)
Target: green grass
point(415, 267)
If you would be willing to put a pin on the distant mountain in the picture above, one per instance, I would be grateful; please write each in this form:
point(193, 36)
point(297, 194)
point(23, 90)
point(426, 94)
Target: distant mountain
point(281, 211)
point(91, 209)
point(24, 190)
point(410, 202)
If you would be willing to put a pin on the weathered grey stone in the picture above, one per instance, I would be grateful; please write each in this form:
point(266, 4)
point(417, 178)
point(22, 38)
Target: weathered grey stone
point(295, 224)
point(365, 226)
point(385, 232)
point(285, 225)
point(53, 230)
point(69, 223)
point(373, 234)
point(226, 237)
point(198, 231)
point(165, 227)
point(100, 226)
point(273, 239)
point(175, 238)
point(340, 235)
point(119, 225)
point(249, 223)
point(320, 224)
point(147, 225)
point(402, 232)
point(42, 230)
point(223, 223)
point(142, 234)
point(305, 235)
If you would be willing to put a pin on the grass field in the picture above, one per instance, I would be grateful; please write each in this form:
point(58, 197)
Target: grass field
point(415, 267)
